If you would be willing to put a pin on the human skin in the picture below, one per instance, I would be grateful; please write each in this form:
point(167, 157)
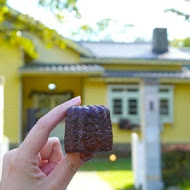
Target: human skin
point(38, 163)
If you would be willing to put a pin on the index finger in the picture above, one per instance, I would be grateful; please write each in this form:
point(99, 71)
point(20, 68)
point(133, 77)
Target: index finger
point(38, 136)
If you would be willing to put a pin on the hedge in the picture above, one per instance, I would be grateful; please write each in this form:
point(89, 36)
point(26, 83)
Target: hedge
point(176, 165)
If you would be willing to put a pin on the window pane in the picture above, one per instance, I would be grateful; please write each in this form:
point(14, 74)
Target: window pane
point(164, 107)
point(117, 106)
point(164, 90)
point(132, 107)
point(117, 90)
point(132, 90)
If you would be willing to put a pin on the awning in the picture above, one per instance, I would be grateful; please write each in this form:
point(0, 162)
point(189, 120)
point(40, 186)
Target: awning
point(65, 69)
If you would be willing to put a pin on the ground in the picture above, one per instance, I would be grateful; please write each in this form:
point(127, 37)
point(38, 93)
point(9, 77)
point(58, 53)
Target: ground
point(118, 173)
point(88, 180)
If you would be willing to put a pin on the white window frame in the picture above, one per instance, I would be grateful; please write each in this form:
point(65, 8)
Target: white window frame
point(125, 96)
point(135, 119)
point(169, 97)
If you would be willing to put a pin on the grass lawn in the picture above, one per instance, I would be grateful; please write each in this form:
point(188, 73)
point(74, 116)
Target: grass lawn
point(118, 174)
point(185, 186)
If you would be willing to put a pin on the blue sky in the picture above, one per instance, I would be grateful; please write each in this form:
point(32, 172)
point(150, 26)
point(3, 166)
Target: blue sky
point(145, 15)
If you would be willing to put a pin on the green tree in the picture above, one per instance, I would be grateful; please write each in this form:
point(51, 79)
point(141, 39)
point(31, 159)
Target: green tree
point(181, 42)
point(180, 13)
point(101, 30)
point(57, 7)
point(14, 26)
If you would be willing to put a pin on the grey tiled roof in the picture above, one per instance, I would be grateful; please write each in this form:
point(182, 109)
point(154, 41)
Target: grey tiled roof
point(184, 74)
point(118, 50)
point(97, 69)
point(185, 50)
point(61, 68)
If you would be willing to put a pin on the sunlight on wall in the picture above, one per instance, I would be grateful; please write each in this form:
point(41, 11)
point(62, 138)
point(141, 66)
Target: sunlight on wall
point(1, 111)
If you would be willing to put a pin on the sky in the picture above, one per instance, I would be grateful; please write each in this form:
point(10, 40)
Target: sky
point(145, 15)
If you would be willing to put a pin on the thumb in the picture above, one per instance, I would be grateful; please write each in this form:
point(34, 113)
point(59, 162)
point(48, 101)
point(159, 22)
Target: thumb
point(66, 169)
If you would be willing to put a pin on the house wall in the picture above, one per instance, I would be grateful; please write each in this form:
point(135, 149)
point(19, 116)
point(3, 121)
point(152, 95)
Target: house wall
point(179, 131)
point(92, 92)
point(54, 54)
point(1, 110)
point(95, 92)
point(11, 60)
point(40, 83)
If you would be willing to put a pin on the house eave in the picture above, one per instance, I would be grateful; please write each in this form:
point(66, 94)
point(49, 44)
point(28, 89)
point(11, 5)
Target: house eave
point(135, 61)
point(61, 69)
point(84, 52)
point(121, 80)
point(35, 73)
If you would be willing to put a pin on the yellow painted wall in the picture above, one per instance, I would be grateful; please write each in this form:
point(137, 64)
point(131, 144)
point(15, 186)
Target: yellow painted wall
point(180, 130)
point(54, 54)
point(1, 108)
point(95, 92)
point(92, 92)
point(136, 67)
point(11, 60)
point(122, 136)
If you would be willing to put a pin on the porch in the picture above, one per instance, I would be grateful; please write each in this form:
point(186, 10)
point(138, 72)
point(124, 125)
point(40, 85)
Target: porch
point(44, 86)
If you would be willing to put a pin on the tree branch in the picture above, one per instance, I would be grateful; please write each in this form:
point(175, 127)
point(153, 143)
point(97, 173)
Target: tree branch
point(179, 13)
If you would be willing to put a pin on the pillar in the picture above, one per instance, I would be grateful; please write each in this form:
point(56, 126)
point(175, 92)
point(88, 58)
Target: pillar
point(1, 108)
point(150, 135)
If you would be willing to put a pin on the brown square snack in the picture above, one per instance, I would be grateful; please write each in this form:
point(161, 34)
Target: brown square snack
point(88, 129)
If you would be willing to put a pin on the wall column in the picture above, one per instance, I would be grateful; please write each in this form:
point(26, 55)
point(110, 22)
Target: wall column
point(1, 121)
point(1, 108)
point(150, 135)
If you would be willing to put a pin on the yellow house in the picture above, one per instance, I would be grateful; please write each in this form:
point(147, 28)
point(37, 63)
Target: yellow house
point(107, 73)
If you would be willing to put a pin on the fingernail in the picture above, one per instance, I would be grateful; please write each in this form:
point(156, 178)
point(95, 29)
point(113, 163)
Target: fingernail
point(76, 99)
point(86, 156)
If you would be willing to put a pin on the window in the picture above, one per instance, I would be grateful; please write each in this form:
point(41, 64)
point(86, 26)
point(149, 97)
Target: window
point(132, 107)
point(117, 106)
point(164, 107)
point(124, 102)
point(45, 101)
point(166, 103)
point(117, 89)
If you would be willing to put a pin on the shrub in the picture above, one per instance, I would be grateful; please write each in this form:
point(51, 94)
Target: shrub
point(176, 165)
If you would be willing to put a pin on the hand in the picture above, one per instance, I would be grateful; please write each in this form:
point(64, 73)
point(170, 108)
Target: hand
point(39, 163)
